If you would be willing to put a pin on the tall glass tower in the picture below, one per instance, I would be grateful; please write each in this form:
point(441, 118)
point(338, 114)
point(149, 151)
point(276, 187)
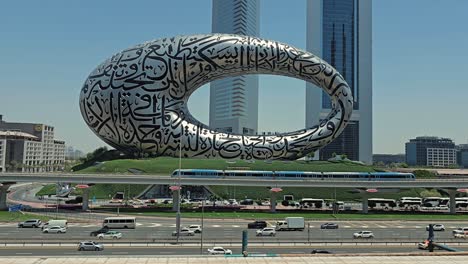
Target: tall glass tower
point(340, 32)
point(234, 101)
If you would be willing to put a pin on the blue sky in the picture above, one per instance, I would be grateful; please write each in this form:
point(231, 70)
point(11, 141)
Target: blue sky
point(420, 62)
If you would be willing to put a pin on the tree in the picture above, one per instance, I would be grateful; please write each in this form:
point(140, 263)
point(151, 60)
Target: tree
point(14, 165)
point(344, 156)
point(424, 174)
point(334, 154)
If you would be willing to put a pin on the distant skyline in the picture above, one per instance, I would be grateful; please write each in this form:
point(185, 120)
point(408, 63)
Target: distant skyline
point(419, 63)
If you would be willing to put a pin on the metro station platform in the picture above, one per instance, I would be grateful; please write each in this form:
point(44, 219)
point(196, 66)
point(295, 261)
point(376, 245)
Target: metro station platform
point(322, 259)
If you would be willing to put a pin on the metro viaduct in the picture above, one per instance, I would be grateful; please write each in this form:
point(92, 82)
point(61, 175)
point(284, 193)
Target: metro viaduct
point(448, 185)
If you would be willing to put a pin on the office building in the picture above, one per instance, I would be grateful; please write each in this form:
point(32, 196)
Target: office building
point(430, 151)
point(234, 101)
point(29, 147)
point(72, 153)
point(462, 155)
point(388, 158)
point(340, 32)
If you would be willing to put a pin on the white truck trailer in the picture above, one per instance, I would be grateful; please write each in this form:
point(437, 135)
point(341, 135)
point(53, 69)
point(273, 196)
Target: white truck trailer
point(291, 224)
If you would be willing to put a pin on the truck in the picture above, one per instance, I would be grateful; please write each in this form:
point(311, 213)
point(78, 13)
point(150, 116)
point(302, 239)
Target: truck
point(61, 223)
point(291, 224)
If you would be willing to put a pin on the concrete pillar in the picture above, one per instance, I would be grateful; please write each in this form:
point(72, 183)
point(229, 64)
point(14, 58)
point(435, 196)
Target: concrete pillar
point(365, 203)
point(272, 202)
point(175, 200)
point(3, 197)
point(85, 204)
point(452, 203)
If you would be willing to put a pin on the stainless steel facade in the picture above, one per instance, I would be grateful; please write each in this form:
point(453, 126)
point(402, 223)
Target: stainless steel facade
point(136, 100)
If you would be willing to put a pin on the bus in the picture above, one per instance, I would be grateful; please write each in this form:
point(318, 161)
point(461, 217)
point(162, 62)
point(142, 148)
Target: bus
point(119, 222)
point(435, 201)
point(381, 203)
point(410, 202)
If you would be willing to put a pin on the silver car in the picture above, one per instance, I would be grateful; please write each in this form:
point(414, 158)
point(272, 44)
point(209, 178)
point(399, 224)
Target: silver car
point(184, 232)
point(90, 246)
point(30, 223)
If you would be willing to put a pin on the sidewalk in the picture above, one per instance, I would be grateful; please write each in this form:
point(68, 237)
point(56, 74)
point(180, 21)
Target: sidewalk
point(368, 259)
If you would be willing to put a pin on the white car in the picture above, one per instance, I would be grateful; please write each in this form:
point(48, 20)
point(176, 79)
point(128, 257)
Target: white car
point(437, 227)
point(460, 230)
point(459, 235)
point(55, 229)
point(195, 228)
point(363, 234)
point(136, 202)
point(219, 251)
point(110, 235)
point(267, 231)
point(232, 202)
point(423, 245)
point(184, 232)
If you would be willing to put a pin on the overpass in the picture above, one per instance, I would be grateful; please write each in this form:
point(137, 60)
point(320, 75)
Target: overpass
point(450, 185)
point(229, 181)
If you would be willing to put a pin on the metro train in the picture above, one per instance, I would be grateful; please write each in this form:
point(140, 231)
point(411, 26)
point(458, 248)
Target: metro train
point(290, 175)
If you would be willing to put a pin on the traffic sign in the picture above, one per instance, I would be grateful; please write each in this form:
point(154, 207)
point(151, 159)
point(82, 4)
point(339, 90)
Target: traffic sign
point(175, 188)
point(15, 208)
point(276, 189)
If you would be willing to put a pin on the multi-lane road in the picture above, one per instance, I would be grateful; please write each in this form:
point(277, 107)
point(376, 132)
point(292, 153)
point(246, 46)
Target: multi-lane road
point(181, 250)
point(218, 230)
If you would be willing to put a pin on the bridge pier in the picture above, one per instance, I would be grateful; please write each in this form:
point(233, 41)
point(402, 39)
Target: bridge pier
point(85, 203)
point(365, 203)
point(452, 202)
point(272, 202)
point(3, 197)
point(175, 200)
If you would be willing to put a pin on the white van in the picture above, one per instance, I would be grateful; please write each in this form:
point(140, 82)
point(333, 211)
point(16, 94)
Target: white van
point(61, 223)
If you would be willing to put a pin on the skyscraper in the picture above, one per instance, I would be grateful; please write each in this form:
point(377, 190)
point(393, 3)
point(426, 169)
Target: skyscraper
point(340, 32)
point(234, 101)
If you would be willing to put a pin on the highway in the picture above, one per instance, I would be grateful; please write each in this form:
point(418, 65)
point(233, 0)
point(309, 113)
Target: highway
point(181, 250)
point(230, 231)
point(227, 181)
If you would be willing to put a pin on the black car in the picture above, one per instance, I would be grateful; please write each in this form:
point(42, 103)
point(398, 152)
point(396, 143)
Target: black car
point(247, 202)
point(100, 231)
point(320, 251)
point(257, 224)
point(329, 226)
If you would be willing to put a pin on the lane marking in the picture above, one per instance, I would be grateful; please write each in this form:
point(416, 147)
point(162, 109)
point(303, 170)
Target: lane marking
point(23, 253)
point(215, 226)
point(155, 225)
point(235, 226)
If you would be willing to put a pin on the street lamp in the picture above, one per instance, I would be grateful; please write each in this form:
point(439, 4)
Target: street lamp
point(178, 191)
point(202, 231)
point(57, 200)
